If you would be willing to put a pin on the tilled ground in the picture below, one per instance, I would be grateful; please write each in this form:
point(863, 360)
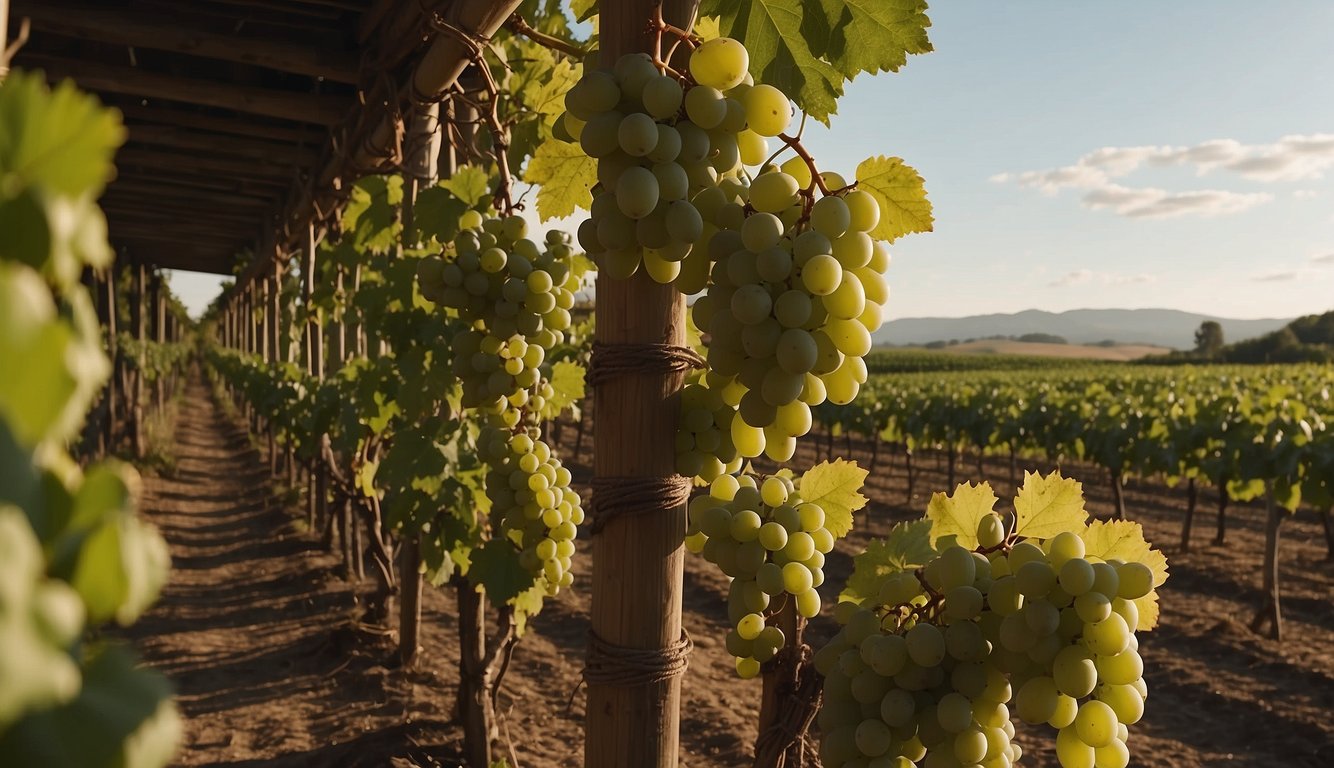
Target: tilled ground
point(262, 636)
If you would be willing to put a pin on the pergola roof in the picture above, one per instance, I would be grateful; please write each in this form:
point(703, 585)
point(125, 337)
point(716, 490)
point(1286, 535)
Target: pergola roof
point(248, 119)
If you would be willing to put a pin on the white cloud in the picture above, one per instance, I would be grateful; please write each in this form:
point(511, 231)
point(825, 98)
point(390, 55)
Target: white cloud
point(1084, 276)
point(1304, 194)
point(1291, 158)
point(1276, 277)
point(1151, 203)
point(1323, 259)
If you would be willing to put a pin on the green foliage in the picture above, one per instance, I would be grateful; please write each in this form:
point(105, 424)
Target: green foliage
point(835, 486)
point(565, 177)
point(809, 50)
point(901, 193)
point(906, 547)
point(73, 554)
point(1046, 506)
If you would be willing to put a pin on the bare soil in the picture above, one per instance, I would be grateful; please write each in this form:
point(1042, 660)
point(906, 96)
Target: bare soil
point(262, 636)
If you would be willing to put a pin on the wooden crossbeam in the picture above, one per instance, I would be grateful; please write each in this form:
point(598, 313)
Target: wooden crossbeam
point(135, 81)
point(250, 149)
point(179, 189)
point(160, 114)
point(152, 158)
point(85, 22)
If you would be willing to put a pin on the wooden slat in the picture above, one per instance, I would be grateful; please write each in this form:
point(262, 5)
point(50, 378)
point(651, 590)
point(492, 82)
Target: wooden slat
point(152, 158)
point(84, 22)
point(273, 153)
point(287, 105)
point(184, 189)
point(161, 114)
point(168, 256)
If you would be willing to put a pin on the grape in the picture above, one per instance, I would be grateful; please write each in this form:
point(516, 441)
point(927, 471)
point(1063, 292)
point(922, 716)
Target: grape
point(1076, 576)
point(1114, 755)
point(821, 275)
point(863, 210)
point(750, 626)
point(774, 192)
point(990, 531)
point(1074, 671)
point(767, 110)
point(662, 96)
point(1071, 751)
point(1108, 637)
point(720, 63)
point(1134, 580)
point(637, 134)
point(1122, 669)
point(705, 106)
point(1096, 724)
point(926, 645)
point(637, 192)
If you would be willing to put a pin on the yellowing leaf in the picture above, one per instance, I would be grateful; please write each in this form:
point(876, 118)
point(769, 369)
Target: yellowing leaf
point(901, 194)
point(1046, 506)
point(470, 184)
point(1124, 540)
point(958, 514)
point(836, 487)
point(907, 546)
point(564, 176)
point(567, 383)
point(706, 27)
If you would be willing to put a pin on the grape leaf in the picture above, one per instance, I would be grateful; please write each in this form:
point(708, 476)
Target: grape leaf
point(1124, 540)
point(836, 487)
point(907, 546)
point(706, 28)
point(959, 513)
point(1046, 506)
point(874, 35)
point(470, 184)
point(583, 9)
point(436, 213)
point(495, 565)
point(776, 33)
point(60, 139)
point(564, 176)
point(527, 603)
point(546, 95)
point(901, 193)
point(567, 383)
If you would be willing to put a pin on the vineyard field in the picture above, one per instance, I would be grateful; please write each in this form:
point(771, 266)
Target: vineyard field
point(1267, 703)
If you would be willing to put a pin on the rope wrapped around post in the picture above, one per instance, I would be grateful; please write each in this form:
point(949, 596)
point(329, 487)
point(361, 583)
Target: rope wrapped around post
point(608, 664)
point(609, 361)
point(613, 496)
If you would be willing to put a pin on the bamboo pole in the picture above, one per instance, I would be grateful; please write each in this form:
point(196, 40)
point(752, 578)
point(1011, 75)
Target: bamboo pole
point(139, 318)
point(638, 560)
point(273, 353)
point(113, 351)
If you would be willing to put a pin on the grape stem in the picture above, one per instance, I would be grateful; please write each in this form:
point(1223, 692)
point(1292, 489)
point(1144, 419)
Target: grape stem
point(520, 26)
point(499, 138)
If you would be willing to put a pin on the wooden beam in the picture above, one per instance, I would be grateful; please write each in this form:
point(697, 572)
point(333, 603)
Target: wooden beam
point(438, 69)
point(177, 257)
point(148, 184)
point(250, 149)
point(124, 211)
point(150, 158)
point(84, 22)
point(161, 114)
point(296, 106)
point(138, 190)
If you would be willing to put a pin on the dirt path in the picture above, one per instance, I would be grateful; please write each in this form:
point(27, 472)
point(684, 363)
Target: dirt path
point(254, 627)
point(260, 634)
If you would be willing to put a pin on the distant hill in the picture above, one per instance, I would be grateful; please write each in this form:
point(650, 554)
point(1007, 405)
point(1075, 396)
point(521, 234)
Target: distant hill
point(1157, 327)
point(1118, 352)
point(1308, 339)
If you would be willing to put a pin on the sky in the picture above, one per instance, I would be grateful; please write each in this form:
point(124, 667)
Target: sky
point(1114, 154)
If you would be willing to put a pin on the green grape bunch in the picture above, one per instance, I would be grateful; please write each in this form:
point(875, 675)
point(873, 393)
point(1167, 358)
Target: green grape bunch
point(689, 189)
point(772, 543)
point(515, 297)
point(932, 669)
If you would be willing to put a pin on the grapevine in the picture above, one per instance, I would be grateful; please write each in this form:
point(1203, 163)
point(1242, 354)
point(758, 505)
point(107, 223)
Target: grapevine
point(1034, 615)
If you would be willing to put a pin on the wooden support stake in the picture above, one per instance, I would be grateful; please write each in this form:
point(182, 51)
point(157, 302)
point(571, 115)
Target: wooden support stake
point(140, 334)
point(638, 560)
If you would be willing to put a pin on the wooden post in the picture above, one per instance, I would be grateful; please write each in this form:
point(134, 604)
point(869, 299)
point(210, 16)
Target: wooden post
point(419, 171)
point(4, 38)
point(272, 312)
point(1192, 499)
point(638, 560)
point(113, 350)
point(140, 334)
point(316, 509)
point(160, 333)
